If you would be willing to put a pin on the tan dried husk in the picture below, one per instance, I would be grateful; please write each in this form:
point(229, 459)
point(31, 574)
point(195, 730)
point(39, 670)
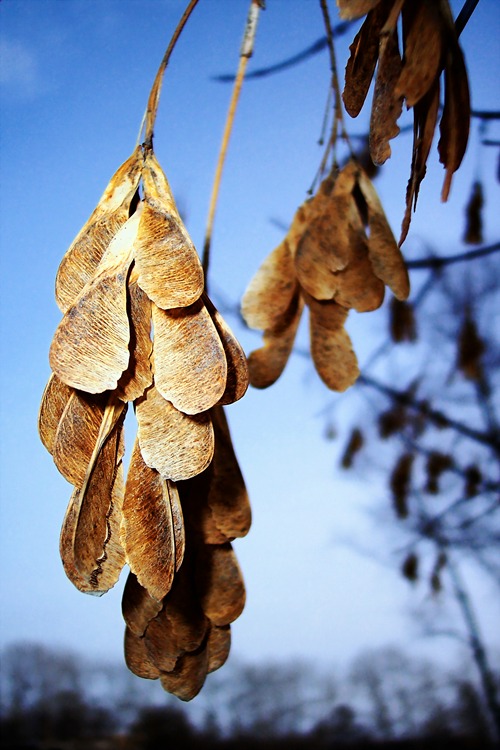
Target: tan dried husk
point(430, 47)
point(338, 254)
point(138, 328)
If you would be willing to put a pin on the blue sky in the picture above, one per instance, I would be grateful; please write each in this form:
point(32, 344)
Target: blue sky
point(74, 84)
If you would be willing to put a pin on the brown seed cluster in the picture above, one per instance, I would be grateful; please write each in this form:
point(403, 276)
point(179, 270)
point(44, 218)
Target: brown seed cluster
point(339, 254)
point(429, 48)
point(138, 327)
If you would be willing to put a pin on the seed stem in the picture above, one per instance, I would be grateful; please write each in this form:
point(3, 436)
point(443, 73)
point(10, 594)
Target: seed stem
point(245, 54)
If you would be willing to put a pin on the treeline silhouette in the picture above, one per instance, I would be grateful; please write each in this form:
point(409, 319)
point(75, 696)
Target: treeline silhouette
point(52, 700)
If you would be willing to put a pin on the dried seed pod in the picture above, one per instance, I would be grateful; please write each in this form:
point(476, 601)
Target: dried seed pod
point(237, 369)
point(409, 568)
point(471, 348)
point(473, 234)
point(54, 400)
point(139, 374)
point(153, 542)
point(161, 643)
point(137, 657)
point(77, 434)
point(351, 9)
point(331, 347)
point(188, 677)
point(177, 445)
point(422, 50)
point(402, 324)
point(363, 59)
point(354, 445)
point(219, 583)
point(138, 607)
point(168, 267)
point(189, 360)
point(90, 536)
point(265, 365)
point(387, 105)
point(218, 646)
point(90, 348)
point(271, 290)
point(82, 258)
point(400, 482)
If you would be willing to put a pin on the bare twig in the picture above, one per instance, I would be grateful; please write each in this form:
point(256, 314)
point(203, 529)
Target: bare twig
point(439, 262)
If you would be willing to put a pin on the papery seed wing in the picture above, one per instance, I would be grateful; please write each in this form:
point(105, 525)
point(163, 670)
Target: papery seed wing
point(422, 50)
point(219, 645)
point(455, 121)
point(161, 643)
point(138, 607)
point(351, 9)
point(385, 256)
point(332, 352)
point(139, 374)
point(265, 365)
point(189, 675)
point(183, 610)
point(227, 496)
point(169, 269)
point(386, 107)
point(363, 59)
point(271, 290)
point(189, 360)
point(325, 248)
point(148, 536)
point(177, 445)
point(237, 369)
point(54, 400)
point(220, 583)
point(90, 349)
point(82, 258)
point(77, 434)
point(90, 537)
point(425, 114)
point(198, 514)
point(137, 657)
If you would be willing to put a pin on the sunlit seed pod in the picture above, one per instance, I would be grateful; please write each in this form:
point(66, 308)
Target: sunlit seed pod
point(77, 434)
point(90, 348)
point(139, 373)
point(90, 546)
point(177, 445)
point(190, 367)
point(168, 266)
point(54, 400)
point(237, 379)
point(148, 533)
point(82, 258)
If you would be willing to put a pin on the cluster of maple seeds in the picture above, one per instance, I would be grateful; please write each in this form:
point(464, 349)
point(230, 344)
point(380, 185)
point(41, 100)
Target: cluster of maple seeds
point(429, 47)
point(339, 254)
point(133, 271)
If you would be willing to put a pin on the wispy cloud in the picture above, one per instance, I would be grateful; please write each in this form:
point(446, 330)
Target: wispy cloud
point(19, 69)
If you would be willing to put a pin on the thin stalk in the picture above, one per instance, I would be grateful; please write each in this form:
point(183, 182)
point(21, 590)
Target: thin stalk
point(154, 97)
point(245, 54)
point(338, 112)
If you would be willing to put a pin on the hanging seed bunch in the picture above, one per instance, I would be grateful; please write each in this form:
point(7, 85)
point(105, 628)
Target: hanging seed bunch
point(138, 328)
point(339, 254)
point(430, 46)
